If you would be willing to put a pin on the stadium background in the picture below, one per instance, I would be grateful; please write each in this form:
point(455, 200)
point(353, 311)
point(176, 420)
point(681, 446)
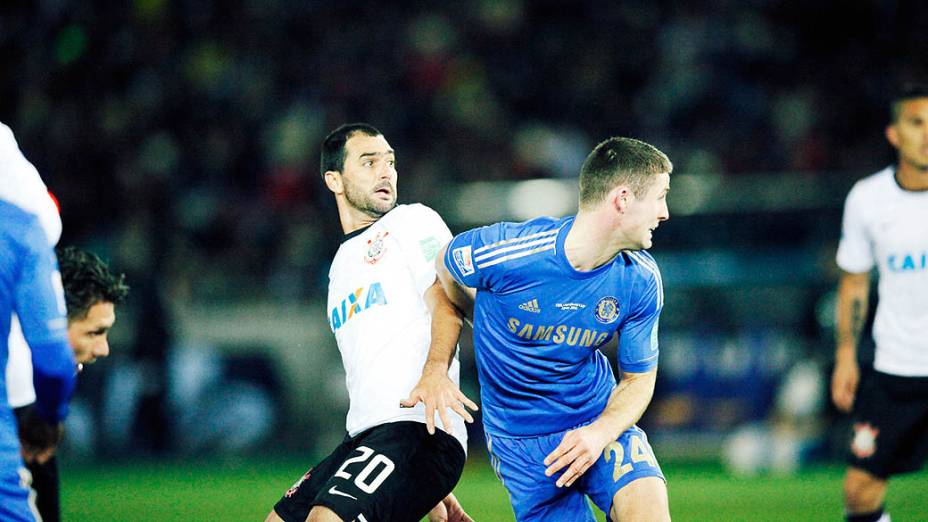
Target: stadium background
point(182, 141)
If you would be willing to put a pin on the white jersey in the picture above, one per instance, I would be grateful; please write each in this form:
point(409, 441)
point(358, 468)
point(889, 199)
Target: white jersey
point(377, 311)
point(887, 226)
point(21, 185)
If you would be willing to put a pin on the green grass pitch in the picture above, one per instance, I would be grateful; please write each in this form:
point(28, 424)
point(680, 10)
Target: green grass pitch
point(245, 490)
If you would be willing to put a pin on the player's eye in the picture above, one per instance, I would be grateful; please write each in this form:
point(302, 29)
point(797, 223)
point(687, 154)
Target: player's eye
point(368, 163)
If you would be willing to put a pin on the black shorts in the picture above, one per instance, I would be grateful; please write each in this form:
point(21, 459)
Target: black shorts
point(392, 472)
point(45, 482)
point(889, 425)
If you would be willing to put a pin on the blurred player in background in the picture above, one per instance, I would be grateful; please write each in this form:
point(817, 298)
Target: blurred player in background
point(383, 300)
point(30, 287)
point(92, 293)
point(886, 224)
point(546, 295)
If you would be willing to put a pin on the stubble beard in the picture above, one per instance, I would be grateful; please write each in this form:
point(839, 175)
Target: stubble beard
point(367, 203)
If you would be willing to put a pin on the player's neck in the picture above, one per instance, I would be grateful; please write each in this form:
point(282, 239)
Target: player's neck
point(910, 177)
point(589, 243)
point(353, 219)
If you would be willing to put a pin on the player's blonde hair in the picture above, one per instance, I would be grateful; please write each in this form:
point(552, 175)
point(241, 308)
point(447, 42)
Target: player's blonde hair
point(620, 161)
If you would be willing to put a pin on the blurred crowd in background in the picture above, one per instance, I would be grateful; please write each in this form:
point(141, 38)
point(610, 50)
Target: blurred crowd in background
point(182, 140)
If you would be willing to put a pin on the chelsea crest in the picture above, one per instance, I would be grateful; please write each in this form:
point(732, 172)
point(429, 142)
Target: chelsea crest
point(607, 310)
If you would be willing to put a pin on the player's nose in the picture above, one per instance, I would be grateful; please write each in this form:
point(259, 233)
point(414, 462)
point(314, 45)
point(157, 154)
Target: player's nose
point(102, 349)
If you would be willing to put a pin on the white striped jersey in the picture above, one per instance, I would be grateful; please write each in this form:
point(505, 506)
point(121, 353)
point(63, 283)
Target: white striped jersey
point(887, 226)
point(539, 323)
point(379, 316)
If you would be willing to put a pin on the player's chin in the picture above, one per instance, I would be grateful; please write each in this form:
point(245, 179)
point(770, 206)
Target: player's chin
point(386, 205)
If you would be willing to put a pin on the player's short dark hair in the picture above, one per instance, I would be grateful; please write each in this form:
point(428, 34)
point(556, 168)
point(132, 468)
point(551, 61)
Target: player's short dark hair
point(619, 161)
point(906, 92)
point(87, 281)
point(333, 146)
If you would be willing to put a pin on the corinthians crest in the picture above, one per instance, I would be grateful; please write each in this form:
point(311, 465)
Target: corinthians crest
point(376, 247)
point(864, 443)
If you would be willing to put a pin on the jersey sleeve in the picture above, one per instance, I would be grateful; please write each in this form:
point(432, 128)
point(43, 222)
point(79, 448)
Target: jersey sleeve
point(23, 186)
point(467, 256)
point(429, 234)
point(855, 250)
point(638, 346)
point(40, 305)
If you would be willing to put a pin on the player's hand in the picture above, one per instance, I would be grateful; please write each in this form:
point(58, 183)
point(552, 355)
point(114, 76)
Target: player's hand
point(438, 392)
point(844, 381)
point(449, 510)
point(38, 439)
point(578, 450)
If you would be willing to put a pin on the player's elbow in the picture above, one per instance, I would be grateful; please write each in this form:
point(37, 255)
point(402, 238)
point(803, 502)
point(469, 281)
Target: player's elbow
point(54, 377)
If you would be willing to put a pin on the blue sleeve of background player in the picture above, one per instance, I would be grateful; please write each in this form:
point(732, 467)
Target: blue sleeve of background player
point(638, 346)
point(40, 305)
point(464, 256)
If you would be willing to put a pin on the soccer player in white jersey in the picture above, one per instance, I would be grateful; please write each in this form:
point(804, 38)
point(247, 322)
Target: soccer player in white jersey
point(385, 308)
point(547, 294)
point(886, 225)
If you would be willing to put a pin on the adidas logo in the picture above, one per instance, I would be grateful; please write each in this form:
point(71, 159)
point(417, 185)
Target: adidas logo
point(531, 306)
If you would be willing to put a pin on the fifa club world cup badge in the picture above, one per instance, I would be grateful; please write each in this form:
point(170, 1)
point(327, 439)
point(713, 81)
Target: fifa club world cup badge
point(607, 310)
point(864, 443)
point(376, 247)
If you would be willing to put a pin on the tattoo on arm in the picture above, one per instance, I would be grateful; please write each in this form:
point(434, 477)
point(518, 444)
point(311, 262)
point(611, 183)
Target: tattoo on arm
point(857, 319)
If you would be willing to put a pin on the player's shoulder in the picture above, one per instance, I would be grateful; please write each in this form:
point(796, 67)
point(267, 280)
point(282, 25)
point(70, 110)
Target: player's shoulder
point(411, 215)
point(879, 183)
point(535, 236)
point(539, 227)
point(410, 211)
point(642, 263)
point(8, 143)
point(20, 227)
point(15, 216)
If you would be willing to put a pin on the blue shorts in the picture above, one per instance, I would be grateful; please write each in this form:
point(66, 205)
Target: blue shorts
point(519, 464)
point(14, 493)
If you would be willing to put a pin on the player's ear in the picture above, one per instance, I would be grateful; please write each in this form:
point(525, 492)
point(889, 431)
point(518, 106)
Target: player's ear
point(892, 135)
point(619, 197)
point(333, 180)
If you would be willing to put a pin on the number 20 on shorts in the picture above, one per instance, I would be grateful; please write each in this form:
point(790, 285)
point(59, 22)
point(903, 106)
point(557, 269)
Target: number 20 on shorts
point(365, 480)
point(640, 452)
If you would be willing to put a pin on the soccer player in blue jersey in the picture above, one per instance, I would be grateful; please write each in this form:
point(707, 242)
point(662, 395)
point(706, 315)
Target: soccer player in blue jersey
point(546, 295)
point(30, 286)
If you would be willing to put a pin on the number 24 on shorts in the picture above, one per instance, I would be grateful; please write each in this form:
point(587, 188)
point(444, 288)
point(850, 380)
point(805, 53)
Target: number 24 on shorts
point(640, 452)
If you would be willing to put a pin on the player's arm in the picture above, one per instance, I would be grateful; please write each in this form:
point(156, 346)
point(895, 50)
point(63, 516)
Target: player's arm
point(435, 389)
point(41, 310)
point(580, 448)
point(850, 315)
point(461, 296)
point(449, 510)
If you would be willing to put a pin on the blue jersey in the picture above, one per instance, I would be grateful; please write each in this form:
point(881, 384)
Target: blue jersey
point(30, 286)
point(539, 324)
